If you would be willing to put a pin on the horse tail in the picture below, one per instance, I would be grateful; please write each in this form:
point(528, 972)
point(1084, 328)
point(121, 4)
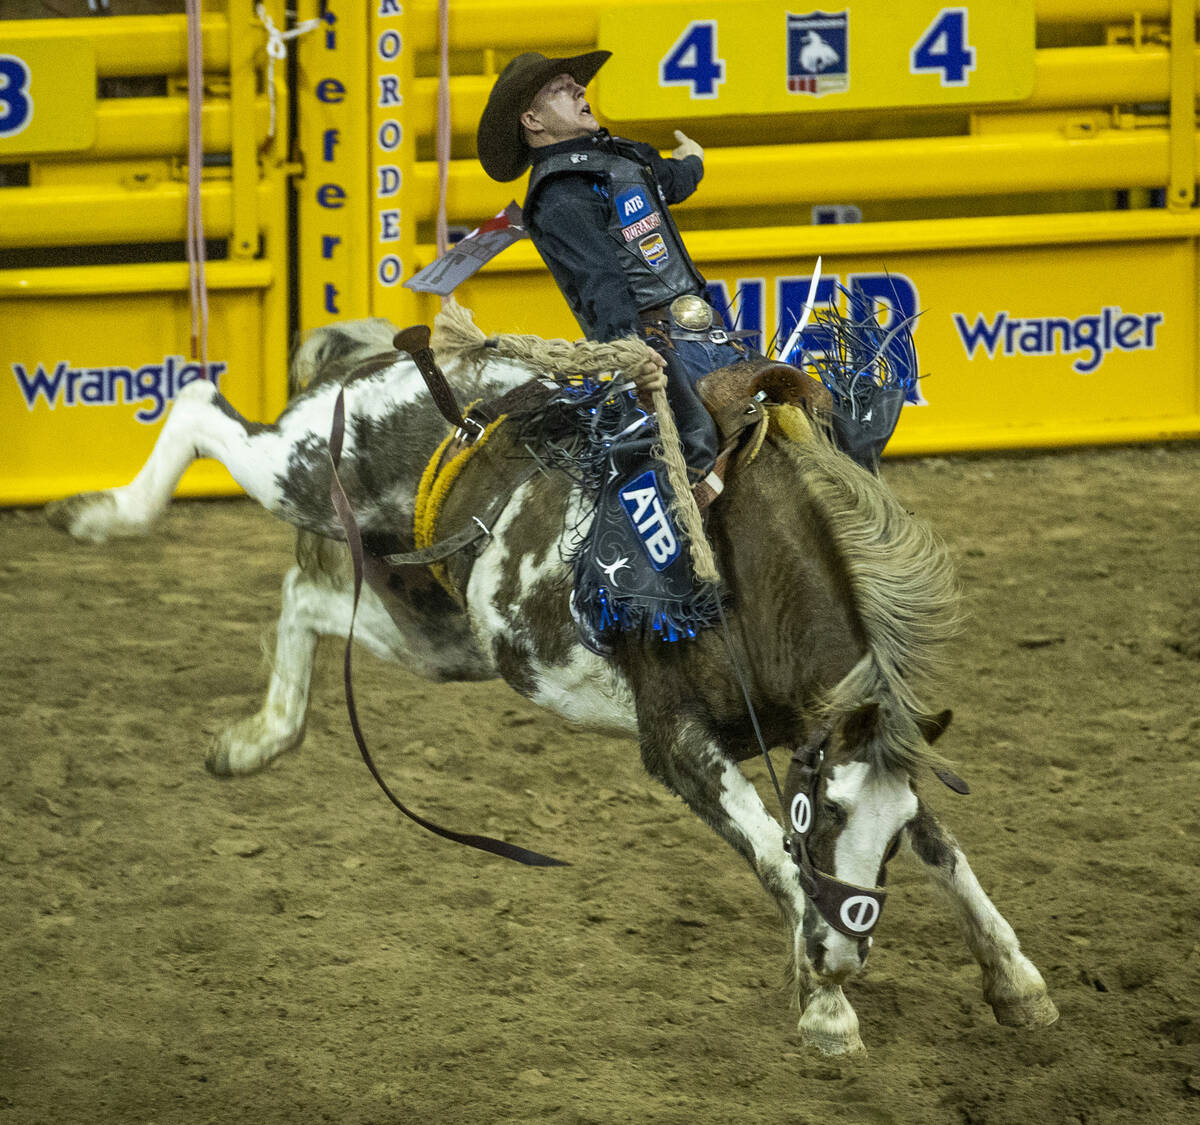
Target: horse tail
point(343, 344)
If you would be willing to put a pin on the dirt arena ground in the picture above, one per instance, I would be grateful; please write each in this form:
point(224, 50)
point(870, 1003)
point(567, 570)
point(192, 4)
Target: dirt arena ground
point(284, 949)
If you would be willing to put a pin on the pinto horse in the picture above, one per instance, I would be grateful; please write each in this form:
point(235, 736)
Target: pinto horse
point(837, 601)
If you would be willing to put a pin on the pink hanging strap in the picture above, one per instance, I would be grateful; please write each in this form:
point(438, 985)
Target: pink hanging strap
point(195, 159)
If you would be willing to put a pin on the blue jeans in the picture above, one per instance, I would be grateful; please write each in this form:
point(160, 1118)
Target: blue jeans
point(699, 357)
point(688, 361)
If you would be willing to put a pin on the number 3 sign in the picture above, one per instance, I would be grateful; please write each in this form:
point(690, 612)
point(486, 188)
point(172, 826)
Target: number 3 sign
point(755, 57)
point(47, 92)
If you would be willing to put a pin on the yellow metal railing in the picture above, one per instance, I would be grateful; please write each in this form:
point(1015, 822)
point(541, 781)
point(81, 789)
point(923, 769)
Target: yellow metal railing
point(129, 46)
point(920, 168)
point(486, 25)
point(130, 184)
point(1182, 188)
point(1066, 78)
point(100, 214)
point(122, 202)
point(1076, 133)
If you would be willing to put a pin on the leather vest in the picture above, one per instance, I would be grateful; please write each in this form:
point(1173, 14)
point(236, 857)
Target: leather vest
point(651, 252)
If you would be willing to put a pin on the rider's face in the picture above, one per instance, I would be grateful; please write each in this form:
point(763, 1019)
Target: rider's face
point(560, 112)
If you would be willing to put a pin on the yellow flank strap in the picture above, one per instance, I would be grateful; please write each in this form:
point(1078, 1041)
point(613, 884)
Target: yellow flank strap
point(423, 513)
point(433, 490)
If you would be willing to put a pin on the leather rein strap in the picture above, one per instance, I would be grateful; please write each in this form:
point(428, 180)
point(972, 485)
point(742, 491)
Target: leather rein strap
point(345, 514)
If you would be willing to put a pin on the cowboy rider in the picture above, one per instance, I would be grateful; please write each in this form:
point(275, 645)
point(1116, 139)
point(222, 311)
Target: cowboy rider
point(597, 209)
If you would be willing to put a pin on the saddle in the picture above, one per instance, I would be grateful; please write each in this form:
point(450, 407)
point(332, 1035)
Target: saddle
point(737, 397)
point(476, 470)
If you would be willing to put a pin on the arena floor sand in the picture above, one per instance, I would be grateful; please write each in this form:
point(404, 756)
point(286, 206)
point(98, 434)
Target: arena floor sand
point(284, 948)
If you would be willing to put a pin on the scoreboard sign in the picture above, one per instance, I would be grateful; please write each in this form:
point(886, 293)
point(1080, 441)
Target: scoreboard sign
point(673, 60)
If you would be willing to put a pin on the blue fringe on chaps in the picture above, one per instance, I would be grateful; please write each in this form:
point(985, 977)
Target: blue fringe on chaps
point(632, 570)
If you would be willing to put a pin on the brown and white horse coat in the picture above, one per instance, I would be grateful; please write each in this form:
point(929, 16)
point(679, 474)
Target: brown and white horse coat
point(838, 600)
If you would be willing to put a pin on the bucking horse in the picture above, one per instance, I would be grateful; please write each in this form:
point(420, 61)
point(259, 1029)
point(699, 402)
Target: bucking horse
point(836, 602)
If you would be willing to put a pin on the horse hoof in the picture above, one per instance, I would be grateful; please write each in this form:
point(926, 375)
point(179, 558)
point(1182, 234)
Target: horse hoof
point(829, 1024)
point(217, 762)
point(1027, 1012)
point(249, 746)
point(223, 760)
point(833, 1044)
point(86, 515)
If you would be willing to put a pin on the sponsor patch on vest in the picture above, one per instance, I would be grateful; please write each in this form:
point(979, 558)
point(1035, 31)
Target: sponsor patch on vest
point(642, 226)
point(654, 250)
point(632, 205)
point(643, 504)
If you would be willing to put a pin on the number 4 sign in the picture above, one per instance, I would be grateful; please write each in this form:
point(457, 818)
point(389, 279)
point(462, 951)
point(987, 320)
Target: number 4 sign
point(944, 50)
point(693, 61)
point(763, 57)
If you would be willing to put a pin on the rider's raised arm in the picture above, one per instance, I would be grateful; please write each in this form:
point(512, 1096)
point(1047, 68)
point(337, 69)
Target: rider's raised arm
point(680, 173)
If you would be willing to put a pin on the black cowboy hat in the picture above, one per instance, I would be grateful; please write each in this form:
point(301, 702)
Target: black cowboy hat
point(502, 150)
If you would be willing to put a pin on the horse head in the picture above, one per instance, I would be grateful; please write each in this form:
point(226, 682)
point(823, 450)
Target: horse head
point(851, 793)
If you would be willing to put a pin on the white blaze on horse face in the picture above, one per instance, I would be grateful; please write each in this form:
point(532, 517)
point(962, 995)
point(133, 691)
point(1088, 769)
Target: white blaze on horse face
point(877, 804)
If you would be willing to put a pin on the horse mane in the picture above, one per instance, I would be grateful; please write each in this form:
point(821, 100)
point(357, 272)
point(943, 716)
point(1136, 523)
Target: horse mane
point(905, 594)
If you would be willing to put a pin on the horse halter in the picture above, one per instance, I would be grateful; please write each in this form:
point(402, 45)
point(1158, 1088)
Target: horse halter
point(850, 909)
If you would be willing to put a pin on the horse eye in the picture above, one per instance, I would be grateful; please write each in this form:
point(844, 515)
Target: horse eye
point(834, 812)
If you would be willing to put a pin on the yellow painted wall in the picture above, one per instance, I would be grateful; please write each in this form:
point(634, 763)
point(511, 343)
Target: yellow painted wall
point(1051, 181)
point(95, 319)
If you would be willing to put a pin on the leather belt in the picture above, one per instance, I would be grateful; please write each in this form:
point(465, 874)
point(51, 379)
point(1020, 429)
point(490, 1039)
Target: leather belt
point(660, 318)
point(709, 336)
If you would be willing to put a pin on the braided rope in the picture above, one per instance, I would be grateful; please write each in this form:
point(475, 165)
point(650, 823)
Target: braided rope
point(670, 452)
point(456, 334)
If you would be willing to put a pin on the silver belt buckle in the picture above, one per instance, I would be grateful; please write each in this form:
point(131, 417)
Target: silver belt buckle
point(718, 336)
point(692, 312)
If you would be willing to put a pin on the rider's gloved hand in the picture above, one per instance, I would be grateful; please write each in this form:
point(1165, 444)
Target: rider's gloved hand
point(651, 376)
point(687, 147)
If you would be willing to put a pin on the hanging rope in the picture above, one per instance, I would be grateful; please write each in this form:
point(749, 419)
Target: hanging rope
point(195, 218)
point(277, 52)
point(443, 124)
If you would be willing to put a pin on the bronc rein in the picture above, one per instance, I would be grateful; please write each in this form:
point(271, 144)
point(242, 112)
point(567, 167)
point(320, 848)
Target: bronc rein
point(416, 342)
